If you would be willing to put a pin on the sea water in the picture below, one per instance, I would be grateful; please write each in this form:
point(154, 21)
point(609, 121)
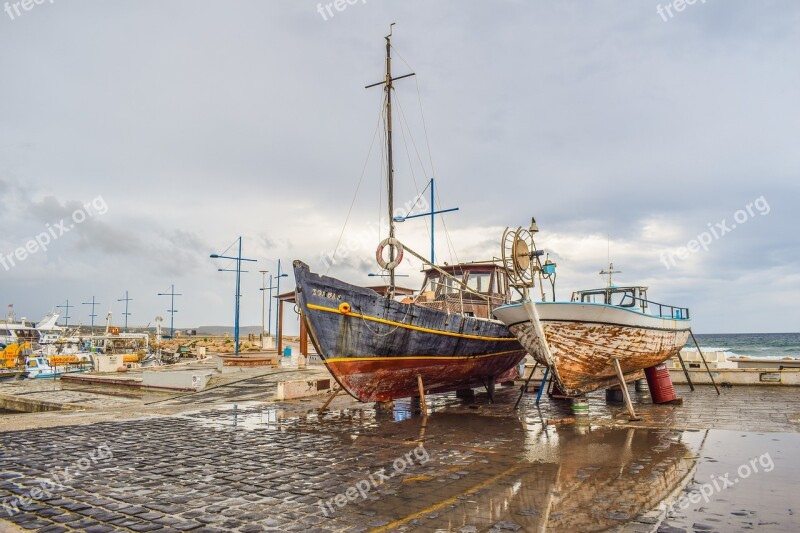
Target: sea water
point(763, 345)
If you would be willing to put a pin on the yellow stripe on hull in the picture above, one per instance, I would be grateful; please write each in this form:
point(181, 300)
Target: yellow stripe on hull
point(409, 326)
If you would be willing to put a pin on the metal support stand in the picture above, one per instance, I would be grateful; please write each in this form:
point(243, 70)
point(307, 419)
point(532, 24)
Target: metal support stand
point(489, 386)
point(422, 395)
point(703, 357)
point(624, 388)
point(542, 385)
point(685, 372)
point(525, 387)
point(328, 401)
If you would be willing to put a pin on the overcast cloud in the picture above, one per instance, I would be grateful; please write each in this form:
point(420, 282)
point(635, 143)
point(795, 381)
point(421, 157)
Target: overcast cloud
point(198, 121)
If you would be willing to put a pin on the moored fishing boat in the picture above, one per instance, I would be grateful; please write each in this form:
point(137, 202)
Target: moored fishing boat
point(579, 340)
point(39, 366)
point(442, 339)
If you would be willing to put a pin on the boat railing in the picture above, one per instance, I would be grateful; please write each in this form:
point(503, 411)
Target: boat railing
point(457, 301)
point(664, 310)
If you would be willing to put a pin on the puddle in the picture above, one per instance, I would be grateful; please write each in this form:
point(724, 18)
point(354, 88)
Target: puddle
point(744, 481)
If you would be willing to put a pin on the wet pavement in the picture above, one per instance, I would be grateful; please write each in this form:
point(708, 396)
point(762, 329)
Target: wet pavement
point(202, 463)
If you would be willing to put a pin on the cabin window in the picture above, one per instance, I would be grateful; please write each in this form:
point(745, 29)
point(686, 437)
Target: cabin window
point(623, 299)
point(32, 364)
point(594, 297)
point(480, 282)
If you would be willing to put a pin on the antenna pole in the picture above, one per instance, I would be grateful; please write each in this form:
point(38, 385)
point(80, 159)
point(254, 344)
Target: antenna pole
point(126, 313)
point(66, 314)
point(93, 303)
point(172, 294)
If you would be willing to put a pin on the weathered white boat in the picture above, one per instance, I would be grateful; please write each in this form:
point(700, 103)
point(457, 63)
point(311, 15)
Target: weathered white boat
point(582, 340)
point(583, 336)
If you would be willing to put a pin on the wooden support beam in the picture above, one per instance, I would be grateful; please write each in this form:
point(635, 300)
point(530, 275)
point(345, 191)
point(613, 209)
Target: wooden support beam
point(703, 357)
point(525, 386)
point(685, 372)
point(624, 388)
point(328, 401)
point(422, 395)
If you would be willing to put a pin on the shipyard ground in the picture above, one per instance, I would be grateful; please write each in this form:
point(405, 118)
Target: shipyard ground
point(232, 459)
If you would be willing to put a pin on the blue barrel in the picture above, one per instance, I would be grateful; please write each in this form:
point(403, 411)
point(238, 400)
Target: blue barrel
point(287, 352)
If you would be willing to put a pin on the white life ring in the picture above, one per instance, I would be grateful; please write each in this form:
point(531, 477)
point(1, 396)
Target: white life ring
point(386, 265)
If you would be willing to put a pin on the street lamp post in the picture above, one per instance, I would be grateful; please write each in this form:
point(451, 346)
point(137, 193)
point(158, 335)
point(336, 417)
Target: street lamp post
point(238, 260)
point(263, 299)
point(277, 310)
point(269, 289)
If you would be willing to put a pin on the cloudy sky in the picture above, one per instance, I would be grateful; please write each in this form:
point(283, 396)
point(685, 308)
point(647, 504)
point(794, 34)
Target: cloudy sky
point(172, 127)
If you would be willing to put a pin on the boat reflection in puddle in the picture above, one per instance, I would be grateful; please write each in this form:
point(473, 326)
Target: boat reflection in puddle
point(487, 470)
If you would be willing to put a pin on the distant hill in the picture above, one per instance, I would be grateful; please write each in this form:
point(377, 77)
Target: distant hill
point(221, 330)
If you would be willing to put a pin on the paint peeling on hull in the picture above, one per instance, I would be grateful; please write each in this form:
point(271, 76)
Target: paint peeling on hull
point(375, 347)
point(583, 338)
point(582, 352)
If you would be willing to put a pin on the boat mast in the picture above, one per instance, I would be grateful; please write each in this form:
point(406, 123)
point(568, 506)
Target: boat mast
point(389, 164)
point(388, 86)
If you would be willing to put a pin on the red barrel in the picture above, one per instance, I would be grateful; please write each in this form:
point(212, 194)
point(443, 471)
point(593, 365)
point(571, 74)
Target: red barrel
point(660, 384)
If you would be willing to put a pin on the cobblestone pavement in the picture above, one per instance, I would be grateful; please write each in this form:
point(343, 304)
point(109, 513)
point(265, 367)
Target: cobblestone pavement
point(471, 466)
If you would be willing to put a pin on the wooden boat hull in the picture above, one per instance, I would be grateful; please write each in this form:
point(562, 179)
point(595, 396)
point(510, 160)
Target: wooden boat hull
point(376, 347)
point(583, 338)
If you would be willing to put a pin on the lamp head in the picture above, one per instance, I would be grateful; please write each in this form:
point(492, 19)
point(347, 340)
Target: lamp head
point(214, 256)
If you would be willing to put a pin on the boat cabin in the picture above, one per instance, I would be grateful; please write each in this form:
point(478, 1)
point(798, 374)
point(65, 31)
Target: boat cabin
point(634, 298)
point(12, 332)
point(617, 296)
point(486, 282)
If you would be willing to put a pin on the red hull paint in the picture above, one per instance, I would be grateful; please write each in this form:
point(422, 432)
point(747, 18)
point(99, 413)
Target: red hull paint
point(384, 379)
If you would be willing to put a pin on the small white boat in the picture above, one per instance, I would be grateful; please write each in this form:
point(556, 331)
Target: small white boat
point(39, 366)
